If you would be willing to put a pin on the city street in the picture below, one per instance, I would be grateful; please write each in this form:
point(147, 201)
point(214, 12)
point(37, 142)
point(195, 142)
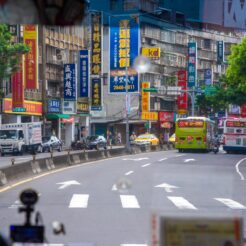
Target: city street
point(93, 208)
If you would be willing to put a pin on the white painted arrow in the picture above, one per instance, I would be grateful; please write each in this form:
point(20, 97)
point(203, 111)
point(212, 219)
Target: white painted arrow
point(65, 184)
point(188, 160)
point(168, 188)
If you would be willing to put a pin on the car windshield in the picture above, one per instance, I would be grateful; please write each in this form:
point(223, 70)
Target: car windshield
point(117, 104)
point(8, 134)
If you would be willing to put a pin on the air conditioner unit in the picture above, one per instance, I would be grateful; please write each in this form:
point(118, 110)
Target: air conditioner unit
point(49, 93)
point(54, 58)
point(153, 42)
point(143, 40)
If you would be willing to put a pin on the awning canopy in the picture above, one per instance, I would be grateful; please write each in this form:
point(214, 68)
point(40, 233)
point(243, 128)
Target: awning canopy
point(57, 116)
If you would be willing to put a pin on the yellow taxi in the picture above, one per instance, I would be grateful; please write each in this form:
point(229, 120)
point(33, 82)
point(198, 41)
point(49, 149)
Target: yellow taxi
point(146, 139)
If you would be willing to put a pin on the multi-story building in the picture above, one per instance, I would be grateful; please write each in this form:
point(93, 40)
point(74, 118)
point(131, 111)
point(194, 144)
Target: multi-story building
point(171, 31)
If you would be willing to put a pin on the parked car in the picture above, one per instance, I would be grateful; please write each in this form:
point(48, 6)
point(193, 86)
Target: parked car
point(96, 142)
point(146, 139)
point(51, 143)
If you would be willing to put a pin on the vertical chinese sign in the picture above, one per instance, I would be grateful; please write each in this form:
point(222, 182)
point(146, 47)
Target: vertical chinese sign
point(70, 82)
point(192, 64)
point(31, 59)
point(182, 98)
point(96, 43)
point(208, 77)
point(96, 94)
point(145, 97)
point(124, 48)
point(220, 52)
point(84, 73)
point(18, 88)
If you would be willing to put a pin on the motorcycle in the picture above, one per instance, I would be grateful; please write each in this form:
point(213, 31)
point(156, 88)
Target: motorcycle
point(216, 147)
point(79, 145)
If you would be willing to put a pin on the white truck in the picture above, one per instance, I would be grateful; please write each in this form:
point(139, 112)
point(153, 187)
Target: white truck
point(19, 138)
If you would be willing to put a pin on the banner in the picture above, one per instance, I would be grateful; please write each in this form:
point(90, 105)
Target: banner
point(124, 48)
point(166, 116)
point(96, 94)
point(70, 79)
point(84, 73)
point(96, 44)
point(31, 59)
point(145, 97)
point(220, 52)
point(243, 111)
point(192, 63)
point(182, 101)
point(18, 89)
point(54, 106)
point(32, 108)
point(208, 80)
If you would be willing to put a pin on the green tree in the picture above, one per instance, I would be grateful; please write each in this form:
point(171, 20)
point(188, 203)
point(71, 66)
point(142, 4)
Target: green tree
point(10, 55)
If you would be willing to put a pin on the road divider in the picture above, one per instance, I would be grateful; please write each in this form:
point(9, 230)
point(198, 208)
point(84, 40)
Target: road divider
point(35, 167)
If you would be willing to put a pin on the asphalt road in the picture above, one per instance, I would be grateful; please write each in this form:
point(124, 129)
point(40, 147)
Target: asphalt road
point(110, 202)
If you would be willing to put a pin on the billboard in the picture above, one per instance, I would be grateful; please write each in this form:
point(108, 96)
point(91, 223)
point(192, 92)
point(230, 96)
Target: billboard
point(166, 116)
point(149, 116)
point(84, 73)
point(31, 58)
point(54, 106)
point(151, 52)
point(182, 101)
point(124, 48)
point(192, 64)
point(96, 44)
point(70, 79)
point(145, 97)
point(96, 94)
point(220, 52)
point(208, 76)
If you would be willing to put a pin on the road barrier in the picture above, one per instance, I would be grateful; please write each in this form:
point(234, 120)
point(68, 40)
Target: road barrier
point(34, 167)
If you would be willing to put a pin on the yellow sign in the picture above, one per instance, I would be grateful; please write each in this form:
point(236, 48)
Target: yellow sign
point(149, 115)
point(205, 232)
point(145, 97)
point(151, 52)
point(182, 111)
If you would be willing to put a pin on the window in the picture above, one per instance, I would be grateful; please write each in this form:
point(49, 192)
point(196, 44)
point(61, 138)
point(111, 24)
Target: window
point(207, 44)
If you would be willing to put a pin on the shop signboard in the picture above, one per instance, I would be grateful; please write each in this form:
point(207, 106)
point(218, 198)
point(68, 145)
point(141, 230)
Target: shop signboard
point(166, 116)
point(68, 107)
point(54, 106)
point(192, 64)
point(124, 48)
point(208, 77)
point(70, 82)
point(83, 107)
point(243, 111)
point(149, 116)
point(220, 52)
point(145, 97)
point(182, 101)
point(151, 52)
point(84, 73)
point(96, 94)
point(31, 58)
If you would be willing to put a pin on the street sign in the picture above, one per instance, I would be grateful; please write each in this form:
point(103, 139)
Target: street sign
point(209, 90)
point(150, 89)
point(173, 90)
point(19, 110)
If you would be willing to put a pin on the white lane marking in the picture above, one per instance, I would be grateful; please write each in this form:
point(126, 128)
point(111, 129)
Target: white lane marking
point(163, 159)
point(128, 173)
point(17, 204)
point(65, 184)
point(188, 160)
point(129, 201)
point(138, 159)
point(133, 244)
point(145, 165)
point(237, 169)
point(180, 155)
point(231, 203)
point(114, 187)
point(167, 187)
point(79, 201)
point(181, 203)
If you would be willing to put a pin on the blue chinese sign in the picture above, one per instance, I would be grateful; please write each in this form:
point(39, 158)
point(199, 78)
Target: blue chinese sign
point(192, 63)
point(84, 73)
point(220, 52)
point(124, 48)
point(208, 76)
point(54, 106)
point(96, 94)
point(70, 76)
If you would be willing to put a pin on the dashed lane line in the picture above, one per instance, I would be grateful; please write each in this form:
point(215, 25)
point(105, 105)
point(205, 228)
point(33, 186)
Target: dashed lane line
point(146, 165)
point(129, 201)
point(163, 159)
point(129, 173)
point(181, 203)
point(231, 203)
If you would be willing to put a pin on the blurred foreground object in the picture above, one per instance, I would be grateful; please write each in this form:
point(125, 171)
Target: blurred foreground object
point(46, 12)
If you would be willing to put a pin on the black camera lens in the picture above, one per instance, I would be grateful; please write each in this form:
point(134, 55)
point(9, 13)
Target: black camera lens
point(29, 197)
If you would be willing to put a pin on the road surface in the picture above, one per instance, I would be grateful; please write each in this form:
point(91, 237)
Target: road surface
point(110, 202)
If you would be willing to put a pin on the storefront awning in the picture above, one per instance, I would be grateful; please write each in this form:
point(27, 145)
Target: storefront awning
point(57, 116)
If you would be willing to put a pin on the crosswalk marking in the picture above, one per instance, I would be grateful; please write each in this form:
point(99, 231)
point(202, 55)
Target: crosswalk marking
point(181, 203)
point(79, 201)
point(129, 201)
point(231, 203)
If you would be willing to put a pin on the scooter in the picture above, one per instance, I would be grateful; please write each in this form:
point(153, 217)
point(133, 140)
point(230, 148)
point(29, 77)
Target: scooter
point(216, 148)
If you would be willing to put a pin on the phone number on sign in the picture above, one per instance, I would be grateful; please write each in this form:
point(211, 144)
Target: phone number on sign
point(123, 87)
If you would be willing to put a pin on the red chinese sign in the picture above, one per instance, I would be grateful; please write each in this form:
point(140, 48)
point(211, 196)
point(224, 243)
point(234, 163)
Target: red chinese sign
point(18, 89)
point(243, 111)
point(166, 116)
point(183, 97)
point(31, 59)
point(32, 108)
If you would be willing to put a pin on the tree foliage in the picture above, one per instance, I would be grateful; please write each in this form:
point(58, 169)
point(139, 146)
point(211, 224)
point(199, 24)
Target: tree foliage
point(10, 54)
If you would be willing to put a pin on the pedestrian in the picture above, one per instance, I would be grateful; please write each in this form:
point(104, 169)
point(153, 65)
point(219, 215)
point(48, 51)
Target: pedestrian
point(133, 136)
point(119, 138)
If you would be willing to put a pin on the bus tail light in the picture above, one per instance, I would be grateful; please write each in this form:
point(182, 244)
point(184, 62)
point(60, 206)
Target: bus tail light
point(205, 139)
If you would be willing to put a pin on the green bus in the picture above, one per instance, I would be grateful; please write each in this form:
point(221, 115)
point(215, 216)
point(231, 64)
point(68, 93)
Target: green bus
point(194, 133)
